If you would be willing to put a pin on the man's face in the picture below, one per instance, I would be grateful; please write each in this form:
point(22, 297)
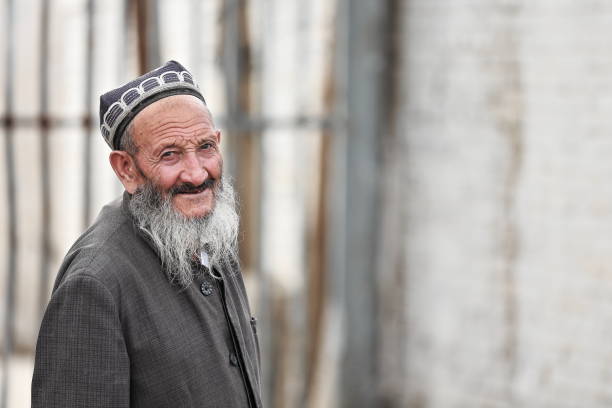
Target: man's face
point(178, 151)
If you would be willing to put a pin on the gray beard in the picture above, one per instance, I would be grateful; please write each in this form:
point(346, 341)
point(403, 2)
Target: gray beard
point(179, 240)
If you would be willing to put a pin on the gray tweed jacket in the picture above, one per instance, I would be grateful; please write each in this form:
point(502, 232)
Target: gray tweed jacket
point(117, 334)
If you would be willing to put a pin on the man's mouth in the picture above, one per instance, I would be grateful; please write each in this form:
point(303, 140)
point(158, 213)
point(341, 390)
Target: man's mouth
point(189, 188)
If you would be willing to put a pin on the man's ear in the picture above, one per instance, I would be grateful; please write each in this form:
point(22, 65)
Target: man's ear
point(218, 134)
point(125, 168)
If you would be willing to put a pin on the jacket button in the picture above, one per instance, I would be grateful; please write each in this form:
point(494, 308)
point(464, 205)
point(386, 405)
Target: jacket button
point(206, 289)
point(233, 359)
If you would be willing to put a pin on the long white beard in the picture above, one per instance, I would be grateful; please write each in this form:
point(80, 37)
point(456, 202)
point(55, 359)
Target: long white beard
point(179, 239)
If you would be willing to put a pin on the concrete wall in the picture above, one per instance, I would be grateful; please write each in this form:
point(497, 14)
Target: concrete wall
point(505, 119)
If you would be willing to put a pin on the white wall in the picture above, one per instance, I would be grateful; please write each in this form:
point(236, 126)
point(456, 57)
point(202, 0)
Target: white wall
point(509, 227)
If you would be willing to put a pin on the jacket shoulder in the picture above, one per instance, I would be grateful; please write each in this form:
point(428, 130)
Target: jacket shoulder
point(107, 249)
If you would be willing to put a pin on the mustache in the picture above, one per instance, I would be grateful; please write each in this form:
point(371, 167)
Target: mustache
point(189, 188)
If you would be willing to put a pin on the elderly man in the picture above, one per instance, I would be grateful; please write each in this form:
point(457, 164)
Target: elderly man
point(149, 308)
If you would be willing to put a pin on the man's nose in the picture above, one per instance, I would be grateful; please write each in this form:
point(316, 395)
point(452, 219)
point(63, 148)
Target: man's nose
point(193, 170)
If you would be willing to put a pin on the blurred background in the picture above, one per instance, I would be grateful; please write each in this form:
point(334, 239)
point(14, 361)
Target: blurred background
point(425, 185)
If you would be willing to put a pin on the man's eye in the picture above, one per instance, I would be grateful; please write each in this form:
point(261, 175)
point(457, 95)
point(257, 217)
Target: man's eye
point(206, 146)
point(168, 154)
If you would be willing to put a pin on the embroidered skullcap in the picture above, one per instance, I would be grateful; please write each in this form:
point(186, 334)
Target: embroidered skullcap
point(119, 106)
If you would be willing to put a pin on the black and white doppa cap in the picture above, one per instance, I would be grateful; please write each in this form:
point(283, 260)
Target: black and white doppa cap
point(119, 106)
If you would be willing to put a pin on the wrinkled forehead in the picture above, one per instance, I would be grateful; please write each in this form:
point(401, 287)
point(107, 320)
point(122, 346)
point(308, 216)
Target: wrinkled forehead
point(179, 116)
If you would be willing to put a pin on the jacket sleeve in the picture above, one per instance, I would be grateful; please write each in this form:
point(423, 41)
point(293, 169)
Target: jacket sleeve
point(81, 358)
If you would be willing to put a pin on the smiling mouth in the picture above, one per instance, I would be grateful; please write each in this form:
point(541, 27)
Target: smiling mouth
point(191, 189)
point(194, 191)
